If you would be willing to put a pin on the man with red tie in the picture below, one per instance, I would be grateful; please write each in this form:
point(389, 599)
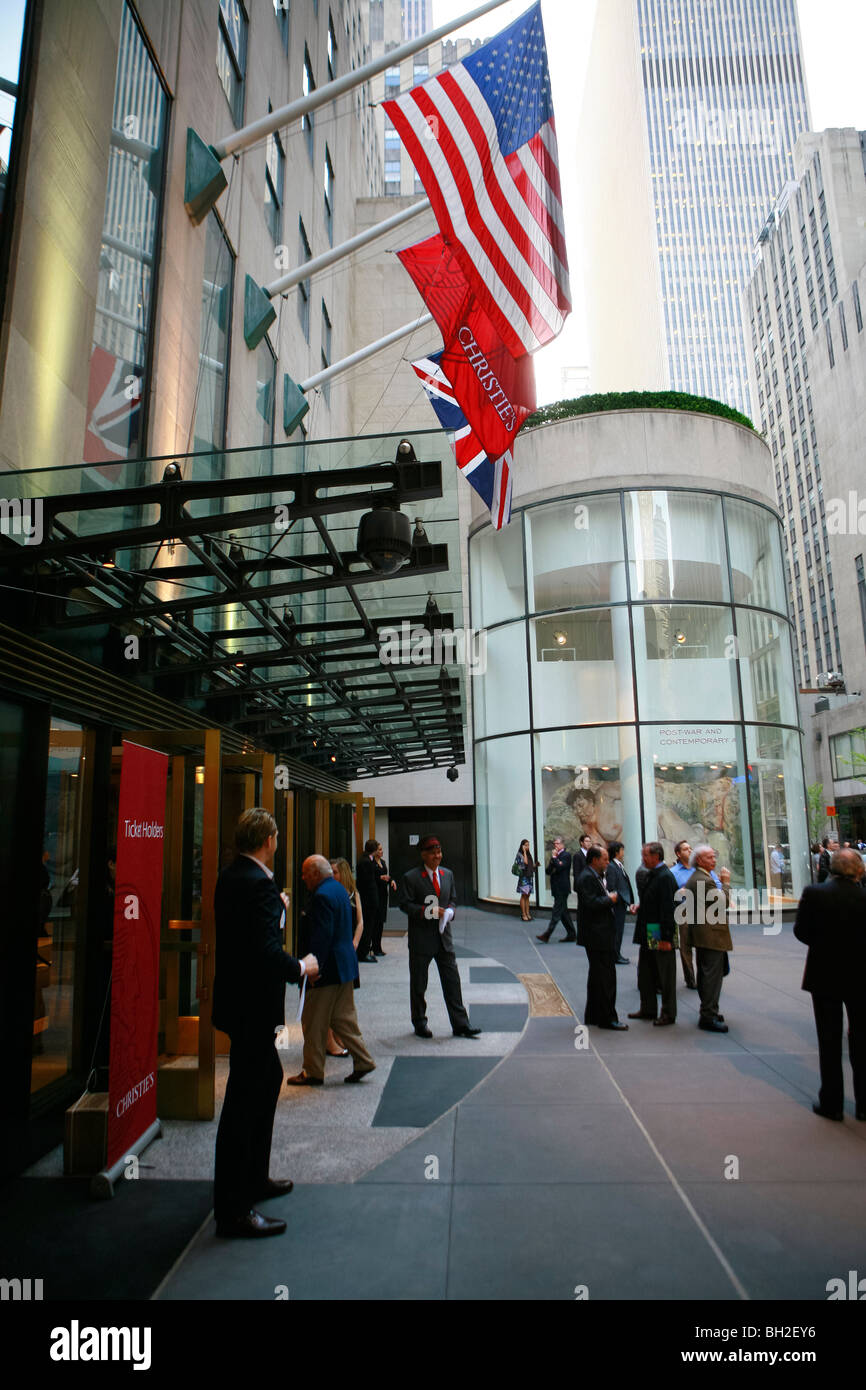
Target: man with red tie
point(428, 898)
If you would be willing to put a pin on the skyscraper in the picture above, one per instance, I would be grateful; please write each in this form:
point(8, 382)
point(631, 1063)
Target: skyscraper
point(690, 118)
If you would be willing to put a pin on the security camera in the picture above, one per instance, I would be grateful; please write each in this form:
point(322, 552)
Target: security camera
point(452, 774)
point(385, 539)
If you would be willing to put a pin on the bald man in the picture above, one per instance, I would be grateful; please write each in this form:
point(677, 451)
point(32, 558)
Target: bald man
point(330, 1002)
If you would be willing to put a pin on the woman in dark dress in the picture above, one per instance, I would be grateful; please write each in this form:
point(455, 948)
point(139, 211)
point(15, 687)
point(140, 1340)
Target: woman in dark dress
point(386, 883)
point(526, 878)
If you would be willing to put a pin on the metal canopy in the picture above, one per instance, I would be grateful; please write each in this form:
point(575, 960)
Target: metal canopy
point(218, 581)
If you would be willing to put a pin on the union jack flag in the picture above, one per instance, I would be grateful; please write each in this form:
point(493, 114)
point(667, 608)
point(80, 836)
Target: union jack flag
point(491, 478)
point(481, 136)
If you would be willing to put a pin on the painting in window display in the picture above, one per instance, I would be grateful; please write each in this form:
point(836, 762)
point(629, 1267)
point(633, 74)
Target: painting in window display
point(695, 790)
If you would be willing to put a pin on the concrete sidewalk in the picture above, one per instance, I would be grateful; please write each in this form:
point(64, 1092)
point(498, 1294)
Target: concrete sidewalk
point(672, 1159)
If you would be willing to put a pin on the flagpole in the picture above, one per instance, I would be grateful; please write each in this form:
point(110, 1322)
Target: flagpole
point(328, 373)
point(240, 139)
point(346, 248)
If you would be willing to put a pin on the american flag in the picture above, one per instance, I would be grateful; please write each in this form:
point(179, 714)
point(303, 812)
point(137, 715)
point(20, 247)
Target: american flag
point(482, 139)
point(491, 478)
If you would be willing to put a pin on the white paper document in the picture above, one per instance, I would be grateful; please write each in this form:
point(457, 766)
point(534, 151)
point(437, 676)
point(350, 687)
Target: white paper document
point(443, 921)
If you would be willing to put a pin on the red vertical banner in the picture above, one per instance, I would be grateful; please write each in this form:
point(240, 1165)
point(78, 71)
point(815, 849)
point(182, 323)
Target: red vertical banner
point(135, 956)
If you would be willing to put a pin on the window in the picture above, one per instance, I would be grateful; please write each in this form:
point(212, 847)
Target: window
point(332, 48)
point(275, 176)
point(861, 590)
point(329, 195)
point(212, 395)
point(392, 82)
point(326, 351)
point(304, 287)
point(830, 345)
point(308, 85)
point(266, 377)
point(281, 10)
point(843, 327)
point(120, 351)
point(377, 20)
point(858, 316)
point(232, 54)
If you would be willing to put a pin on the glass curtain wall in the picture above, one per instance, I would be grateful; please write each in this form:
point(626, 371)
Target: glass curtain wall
point(639, 684)
point(119, 357)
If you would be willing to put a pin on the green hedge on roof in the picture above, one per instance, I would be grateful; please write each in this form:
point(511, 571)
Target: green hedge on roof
point(634, 400)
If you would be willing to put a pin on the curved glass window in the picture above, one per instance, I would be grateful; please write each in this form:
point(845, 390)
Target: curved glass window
point(756, 555)
point(586, 783)
point(503, 811)
point(685, 659)
point(500, 696)
point(628, 698)
point(497, 575)
point(574, 552)
point(581, 668)
point(676, 545)
point(694, 787)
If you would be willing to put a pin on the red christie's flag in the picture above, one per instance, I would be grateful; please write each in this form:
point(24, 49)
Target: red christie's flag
point(135, 956)
point(495, 391)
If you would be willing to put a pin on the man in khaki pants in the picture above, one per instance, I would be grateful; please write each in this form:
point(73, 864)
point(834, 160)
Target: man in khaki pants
point(331, 1002)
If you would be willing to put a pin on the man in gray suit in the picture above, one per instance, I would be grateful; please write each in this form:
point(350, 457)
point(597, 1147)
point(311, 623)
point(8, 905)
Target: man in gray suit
point(426, 895)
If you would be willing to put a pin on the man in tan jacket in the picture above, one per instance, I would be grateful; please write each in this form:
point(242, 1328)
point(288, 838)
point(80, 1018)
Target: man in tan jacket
point(704, 907)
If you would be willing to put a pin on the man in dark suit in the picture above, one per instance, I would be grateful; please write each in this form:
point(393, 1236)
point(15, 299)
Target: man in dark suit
point(596, 932)
point(249, 1005)
point(367, 883)
point(578, 859)
point(619, 882)
point(330, 1002)
point(827, 848)
point(831, 920)
point(559, 870)
point(426, 896)
point(656, 965)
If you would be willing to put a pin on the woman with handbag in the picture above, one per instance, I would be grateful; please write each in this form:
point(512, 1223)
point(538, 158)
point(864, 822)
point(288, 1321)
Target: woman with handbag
point(524, 868)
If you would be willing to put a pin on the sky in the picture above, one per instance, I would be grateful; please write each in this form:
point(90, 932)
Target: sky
point(833, 37)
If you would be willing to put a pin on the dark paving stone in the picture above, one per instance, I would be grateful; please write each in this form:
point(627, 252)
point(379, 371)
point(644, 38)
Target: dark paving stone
point(419, 1089)
point(349, 1241)
point(541, 1143)
point(490, 975)
point(498, 1018)
point(411, 1163)
point(538, 1080)
point(85, 1249)
point(786, 1240)
point(464, 951)
point(618, 1241)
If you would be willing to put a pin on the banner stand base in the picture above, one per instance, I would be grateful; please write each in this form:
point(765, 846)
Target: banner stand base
point(102, 1184)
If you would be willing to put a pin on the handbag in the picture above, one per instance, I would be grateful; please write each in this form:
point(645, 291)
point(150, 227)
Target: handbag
point(654, 936)
point(517, 867)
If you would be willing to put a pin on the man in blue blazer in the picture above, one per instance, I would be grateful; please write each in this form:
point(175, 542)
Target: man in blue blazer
point(249, 1004)
point(330, 1002)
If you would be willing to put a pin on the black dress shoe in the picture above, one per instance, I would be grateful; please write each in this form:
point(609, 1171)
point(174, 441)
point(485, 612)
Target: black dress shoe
point(615, 1027)
point(369, 960)
point(303, 1080)
point(691, 982)
point(827, 1114)
point(357, 1075)
point(622, 960)
point(712, 1025)
point(663, 1020)
point(543, 936)
point(380, 953)
point(640, 1014)
point(466, 1032)
point(250, 1226)
point(277, 1187)
point(423, 1032)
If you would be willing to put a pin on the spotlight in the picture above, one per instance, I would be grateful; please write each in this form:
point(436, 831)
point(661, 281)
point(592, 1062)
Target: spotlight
point(560, 639)
point(171, 473)
point(419, 535)
point(679, 638)
point(108, 560)
point(452, 774)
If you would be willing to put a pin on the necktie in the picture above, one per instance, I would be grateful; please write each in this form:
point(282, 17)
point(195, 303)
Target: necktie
point(436, 881)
